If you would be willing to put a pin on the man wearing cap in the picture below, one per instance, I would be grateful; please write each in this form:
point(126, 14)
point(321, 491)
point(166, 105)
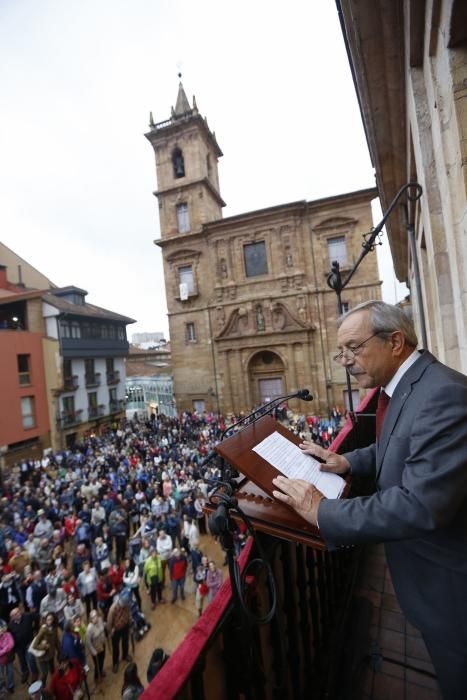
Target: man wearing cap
point(118, 625)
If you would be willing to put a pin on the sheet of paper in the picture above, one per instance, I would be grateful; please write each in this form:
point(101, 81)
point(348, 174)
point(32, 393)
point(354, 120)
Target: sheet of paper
point(293, 463)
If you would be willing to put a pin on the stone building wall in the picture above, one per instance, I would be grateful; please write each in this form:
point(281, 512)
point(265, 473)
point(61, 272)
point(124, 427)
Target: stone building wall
point(239, 338)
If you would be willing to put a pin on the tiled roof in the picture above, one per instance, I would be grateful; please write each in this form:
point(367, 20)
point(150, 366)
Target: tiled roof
point(88, 310)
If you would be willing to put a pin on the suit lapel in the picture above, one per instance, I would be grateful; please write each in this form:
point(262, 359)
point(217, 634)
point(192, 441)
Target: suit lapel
point(396, 404)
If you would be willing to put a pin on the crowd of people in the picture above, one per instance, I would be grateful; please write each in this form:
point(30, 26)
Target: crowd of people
point(85, 530)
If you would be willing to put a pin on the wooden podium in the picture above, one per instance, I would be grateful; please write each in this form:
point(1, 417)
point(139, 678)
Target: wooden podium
point(255, 487)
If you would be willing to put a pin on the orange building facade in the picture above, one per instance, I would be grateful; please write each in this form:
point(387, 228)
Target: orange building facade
point(24, 415)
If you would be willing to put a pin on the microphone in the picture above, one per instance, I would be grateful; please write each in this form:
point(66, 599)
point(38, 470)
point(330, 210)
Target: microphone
point(303, 394)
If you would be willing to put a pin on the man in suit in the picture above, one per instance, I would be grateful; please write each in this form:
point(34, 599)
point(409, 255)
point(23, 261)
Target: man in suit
point(419, 463)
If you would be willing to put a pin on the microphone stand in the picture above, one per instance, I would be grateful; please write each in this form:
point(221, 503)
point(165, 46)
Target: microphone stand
point(268, 407)
point(220, 521)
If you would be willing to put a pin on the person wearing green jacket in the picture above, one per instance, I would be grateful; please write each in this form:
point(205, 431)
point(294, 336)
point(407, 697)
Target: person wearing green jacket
point(153, 577)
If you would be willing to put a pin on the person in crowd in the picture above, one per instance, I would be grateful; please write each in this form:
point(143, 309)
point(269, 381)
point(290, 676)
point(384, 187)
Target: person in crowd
point(36, 691)
point(36, 591)
point(7, 645)
point(72, 645)
point(87, 585)
point(131, 580)
point(95, 643)
point(101, 555)
point(44, 528)
point(419, 509)
point(67, 680)
point(213, 580)
point(119, 529)
point(118, 626)
point(54, 602)
point(153, 577)
point(193, 535)
point(21, 627)
point(105, 592)
point(177, 567)
point(73, 607)
point(132, 687)
point(10, 592)
point(164, 548)
point(69, 584)
point(201, 588)
point(157, 660)
point(45, 646)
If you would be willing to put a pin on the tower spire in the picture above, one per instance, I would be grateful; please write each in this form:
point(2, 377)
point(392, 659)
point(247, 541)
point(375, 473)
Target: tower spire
point(182, 105)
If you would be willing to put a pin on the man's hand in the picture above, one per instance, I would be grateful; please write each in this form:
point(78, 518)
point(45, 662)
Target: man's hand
point(333, 462)
point(302, 496)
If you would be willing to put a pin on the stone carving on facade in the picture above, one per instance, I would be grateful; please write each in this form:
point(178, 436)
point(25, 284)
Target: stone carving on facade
point(301, 307)
point(220, 317)
point(242, 323)
point(260, 321)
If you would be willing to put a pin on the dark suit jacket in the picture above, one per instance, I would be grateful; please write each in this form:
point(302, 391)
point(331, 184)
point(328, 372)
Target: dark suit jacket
point(420, 506)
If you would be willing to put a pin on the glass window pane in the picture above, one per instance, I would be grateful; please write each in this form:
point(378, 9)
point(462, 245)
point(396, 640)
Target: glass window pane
point(337, 250)
point(185, 275)
point(183, 220)
point(255, 259)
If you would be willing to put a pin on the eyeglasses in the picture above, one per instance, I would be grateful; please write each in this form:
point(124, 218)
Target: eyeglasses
point(352, 352)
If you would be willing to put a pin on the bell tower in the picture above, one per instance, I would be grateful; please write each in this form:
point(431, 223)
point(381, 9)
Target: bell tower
point(187, 154)
point(186, 164)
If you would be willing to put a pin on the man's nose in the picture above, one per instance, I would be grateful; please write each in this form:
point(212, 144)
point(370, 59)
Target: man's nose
point(348, 358)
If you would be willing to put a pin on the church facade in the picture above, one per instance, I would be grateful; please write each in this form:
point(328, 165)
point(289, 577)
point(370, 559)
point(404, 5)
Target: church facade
point(250, 313)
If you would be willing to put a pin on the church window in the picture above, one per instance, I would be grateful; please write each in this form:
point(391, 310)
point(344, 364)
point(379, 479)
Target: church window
point(183, 219)
point(337, 250)
point(178, 163)
point(190, 333)
point(185, 280)
point(255, 259)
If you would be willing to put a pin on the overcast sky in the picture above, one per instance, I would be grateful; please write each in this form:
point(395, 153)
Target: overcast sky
point(77, 82)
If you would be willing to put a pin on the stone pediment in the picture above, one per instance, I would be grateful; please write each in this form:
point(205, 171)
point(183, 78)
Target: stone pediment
point(254, 319)
point(335, 222)
point(182, 254)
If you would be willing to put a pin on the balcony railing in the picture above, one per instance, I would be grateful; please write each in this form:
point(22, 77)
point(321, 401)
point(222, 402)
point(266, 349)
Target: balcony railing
point(300, 653)
point(72, 418)
point(95, 412)
point(70, 383)
point(113, 377)
point(93, 379)
point(116, 406)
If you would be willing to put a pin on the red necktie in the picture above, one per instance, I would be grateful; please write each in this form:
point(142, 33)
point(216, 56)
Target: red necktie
point(383, 400)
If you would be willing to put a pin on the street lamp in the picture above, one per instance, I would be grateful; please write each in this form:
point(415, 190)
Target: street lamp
point(335, 281)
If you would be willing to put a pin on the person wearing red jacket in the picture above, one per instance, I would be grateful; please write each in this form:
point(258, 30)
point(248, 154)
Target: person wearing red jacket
point(67, 679)
point(105, 592)
point(70, 525)
point(116, 576)
point(177, 567)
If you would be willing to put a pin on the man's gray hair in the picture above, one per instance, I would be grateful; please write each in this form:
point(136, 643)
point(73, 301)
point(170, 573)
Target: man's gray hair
point(385, 318)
